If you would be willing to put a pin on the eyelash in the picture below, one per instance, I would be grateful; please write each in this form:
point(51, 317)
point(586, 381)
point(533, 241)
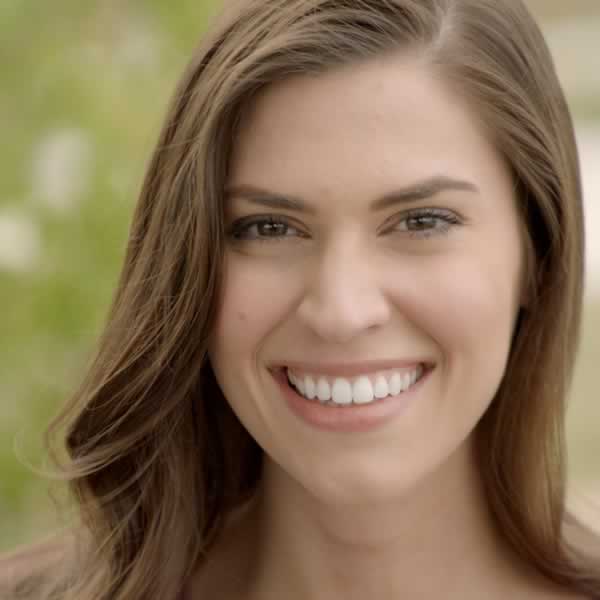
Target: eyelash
point(240, 228)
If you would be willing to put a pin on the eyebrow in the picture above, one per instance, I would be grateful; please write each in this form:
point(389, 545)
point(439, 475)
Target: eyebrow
point(421, 190)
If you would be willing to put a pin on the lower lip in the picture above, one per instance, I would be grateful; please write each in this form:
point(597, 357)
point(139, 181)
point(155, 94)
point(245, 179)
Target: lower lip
point(347, 419)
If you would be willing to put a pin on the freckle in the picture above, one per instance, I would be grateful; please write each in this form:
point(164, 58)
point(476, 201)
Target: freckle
point(242, 316)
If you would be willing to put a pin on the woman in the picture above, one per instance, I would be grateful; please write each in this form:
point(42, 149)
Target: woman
point(338, 356)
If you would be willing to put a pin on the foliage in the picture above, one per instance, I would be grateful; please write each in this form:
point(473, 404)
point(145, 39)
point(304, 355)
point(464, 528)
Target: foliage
point(84, 87)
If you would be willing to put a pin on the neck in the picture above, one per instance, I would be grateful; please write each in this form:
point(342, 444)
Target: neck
point(437, 541)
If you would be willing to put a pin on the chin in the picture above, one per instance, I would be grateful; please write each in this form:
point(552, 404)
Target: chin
point(367, 483)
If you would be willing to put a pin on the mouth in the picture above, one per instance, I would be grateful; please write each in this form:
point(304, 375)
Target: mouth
point(357, 402)
point(360, 389)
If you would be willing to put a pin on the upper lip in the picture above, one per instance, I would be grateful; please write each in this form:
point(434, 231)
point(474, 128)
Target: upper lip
point(349, 369)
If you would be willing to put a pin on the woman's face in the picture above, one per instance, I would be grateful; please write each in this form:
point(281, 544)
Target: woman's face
point(374, 238)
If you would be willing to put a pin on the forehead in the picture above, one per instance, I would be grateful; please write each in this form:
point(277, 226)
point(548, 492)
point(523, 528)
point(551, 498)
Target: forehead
point(363, 127)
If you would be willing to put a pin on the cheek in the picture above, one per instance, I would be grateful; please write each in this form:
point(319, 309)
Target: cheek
point(468, 305)
point(255, 298)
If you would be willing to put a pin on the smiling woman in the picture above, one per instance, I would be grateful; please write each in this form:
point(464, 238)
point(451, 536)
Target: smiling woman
point(338, 356)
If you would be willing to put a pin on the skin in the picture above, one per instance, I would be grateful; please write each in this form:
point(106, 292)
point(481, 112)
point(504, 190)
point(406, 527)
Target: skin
point(397, 512)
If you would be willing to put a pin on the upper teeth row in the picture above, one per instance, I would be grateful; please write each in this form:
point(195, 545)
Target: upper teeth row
point(362, 390)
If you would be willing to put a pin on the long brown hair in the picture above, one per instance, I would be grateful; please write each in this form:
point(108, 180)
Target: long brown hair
point(156, 458)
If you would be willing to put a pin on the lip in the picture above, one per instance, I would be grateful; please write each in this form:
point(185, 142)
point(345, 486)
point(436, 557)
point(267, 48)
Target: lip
point(352, 369)
point(348, 419)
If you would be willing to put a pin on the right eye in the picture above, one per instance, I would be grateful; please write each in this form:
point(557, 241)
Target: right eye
point(264, 228)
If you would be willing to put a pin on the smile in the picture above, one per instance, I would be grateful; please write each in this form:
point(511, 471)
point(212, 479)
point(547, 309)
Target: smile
point(351, 398)
point(363, 389)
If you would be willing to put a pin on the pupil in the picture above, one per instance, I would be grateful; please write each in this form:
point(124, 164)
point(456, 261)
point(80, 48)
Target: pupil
point(420, 222)
point(272, 229)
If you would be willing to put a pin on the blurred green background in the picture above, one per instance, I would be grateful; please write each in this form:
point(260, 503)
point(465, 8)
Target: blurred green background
point(84, 86)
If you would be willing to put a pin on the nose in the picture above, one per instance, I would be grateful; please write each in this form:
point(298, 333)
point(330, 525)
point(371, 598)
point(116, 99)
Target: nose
point(344, 295)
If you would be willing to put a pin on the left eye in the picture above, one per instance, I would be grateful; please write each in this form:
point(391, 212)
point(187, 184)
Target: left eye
point(427, 222)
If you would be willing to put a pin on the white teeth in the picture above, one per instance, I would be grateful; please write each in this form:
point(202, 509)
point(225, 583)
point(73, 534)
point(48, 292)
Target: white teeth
point(341, 392)
point(406, 381)
point(364, 390)
point(381, 387)
point(395, 384)
point(310, 388)
point(323, 390)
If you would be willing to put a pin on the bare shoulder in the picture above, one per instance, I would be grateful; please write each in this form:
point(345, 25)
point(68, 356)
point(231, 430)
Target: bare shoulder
point(22, 569)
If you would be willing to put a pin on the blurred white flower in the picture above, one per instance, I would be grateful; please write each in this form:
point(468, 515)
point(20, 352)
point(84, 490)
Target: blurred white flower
point(126, 42)
point(61, 168)
point(588, 138)
point(139, 47)
point(574, 45)
point(20, 242)
point(583, 498)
